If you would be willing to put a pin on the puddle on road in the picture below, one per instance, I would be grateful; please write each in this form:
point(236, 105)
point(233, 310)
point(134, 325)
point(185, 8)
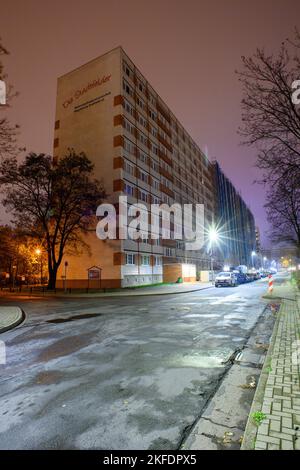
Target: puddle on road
point(65, 346)
point(204, 358)
point(49, 377)
point(74, 318)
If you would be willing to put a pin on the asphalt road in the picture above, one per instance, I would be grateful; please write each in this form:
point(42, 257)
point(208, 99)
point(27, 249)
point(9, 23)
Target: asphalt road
point(122, 373)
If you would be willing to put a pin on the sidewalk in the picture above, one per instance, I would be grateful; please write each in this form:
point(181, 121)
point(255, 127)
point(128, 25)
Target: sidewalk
point(164, 289)
point(276, 403)
point(10, 317)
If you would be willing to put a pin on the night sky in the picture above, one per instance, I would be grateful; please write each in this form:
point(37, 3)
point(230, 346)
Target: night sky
point(187, 49)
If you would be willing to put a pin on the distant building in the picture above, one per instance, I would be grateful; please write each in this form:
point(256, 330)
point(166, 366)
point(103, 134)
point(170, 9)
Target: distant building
point(236, 222)
point(257, 238)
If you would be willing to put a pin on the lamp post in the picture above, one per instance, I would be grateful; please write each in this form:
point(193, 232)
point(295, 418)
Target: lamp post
point(264, 260)
point(213, 237)
point(252, 256)
point(39, 253)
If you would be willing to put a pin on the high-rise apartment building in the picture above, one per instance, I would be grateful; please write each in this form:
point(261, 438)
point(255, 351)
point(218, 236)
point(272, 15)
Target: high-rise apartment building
point(235, 220)
point(107, 109)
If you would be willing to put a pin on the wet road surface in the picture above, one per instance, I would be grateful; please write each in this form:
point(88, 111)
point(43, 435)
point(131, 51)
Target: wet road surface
point(118, 373)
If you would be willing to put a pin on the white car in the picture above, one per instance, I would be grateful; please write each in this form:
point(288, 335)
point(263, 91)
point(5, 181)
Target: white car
point(226, 278)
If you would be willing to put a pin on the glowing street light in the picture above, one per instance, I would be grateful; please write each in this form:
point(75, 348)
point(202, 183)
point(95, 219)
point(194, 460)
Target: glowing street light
point(213, 235)
point(252, 256)
point(39, 253)
point(213, 238)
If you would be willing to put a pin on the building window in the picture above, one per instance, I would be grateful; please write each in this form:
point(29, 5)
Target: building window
point(156, 184)
point(144, 237)
point(143, 157)
point(141, 87)
point(142, 121)
point(152, 100)
point(143, 196)
point(130, 258)
point(145, 260)
point(157, 260)
point(128, 108)
point(143, 139)
point(152, 114)
point(128, 146)
point(129, 168)
point(127, 70)
point(143, 176)
point(165, 166)
point(165, 182)
point(129, 127)
point(153, 131)
point(129, 189)
point(155, 166)
point(165, 198)
point(154, 149)
point(140, 102)
point(128, 89)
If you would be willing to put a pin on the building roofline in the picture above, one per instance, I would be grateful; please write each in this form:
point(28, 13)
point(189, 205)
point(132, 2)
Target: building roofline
point(91, 61)
point(120, 48)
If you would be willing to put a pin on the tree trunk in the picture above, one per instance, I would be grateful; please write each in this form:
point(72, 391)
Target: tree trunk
point(52, 278)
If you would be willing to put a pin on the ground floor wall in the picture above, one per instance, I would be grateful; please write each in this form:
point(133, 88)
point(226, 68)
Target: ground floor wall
point(172, 272)
point(109, 257)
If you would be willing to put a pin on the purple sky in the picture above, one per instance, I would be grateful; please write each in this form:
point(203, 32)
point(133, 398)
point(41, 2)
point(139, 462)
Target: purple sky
point(187, 49)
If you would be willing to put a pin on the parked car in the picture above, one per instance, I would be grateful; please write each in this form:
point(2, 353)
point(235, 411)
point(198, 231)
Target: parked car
point(226, 278)
point(254, 275)
point(263, 273)
point(241, 278)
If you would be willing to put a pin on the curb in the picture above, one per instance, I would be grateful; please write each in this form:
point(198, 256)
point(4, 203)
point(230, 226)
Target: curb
point(108, 295)
point(20, 318)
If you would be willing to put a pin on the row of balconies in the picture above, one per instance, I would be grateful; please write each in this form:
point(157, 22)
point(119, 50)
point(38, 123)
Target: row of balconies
point(164, 127)
point(119, 163)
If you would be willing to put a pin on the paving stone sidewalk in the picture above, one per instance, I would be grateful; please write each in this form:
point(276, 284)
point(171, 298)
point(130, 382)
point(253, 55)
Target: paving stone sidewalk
point(10, 317)
point(278, 391)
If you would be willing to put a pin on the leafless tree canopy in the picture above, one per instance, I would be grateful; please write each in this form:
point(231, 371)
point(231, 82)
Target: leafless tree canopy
point(53, 203)
point(8, 133)
point(283, 209)
point(271, 123)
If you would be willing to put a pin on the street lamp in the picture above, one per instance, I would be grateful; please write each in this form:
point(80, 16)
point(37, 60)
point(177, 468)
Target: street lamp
point(213, 237)
point(265, 259)
point(252, 256)
point(39, 253)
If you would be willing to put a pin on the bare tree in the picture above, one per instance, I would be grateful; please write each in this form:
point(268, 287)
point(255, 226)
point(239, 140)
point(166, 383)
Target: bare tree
point(8, 132)
point(283, 210)
point(53, 203)
point(270, 120)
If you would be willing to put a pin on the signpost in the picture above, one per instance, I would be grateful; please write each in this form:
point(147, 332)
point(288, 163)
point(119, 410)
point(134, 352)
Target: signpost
point(65, 276)
point(94, 274)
